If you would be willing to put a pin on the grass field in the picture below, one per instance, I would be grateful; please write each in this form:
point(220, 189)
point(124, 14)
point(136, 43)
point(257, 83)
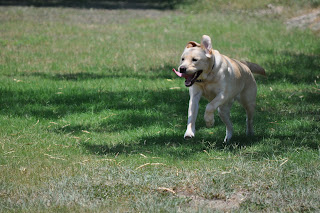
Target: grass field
point(92, 117)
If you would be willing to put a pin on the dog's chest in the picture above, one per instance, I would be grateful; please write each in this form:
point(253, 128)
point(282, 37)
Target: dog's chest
point(210, 91)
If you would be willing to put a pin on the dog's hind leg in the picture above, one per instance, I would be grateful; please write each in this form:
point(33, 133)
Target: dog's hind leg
point(250, 113)
point(224, 113)
point(249, 104)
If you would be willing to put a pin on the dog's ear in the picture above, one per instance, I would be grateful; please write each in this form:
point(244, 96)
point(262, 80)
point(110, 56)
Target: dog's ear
point(206, 45)
point(192, 44)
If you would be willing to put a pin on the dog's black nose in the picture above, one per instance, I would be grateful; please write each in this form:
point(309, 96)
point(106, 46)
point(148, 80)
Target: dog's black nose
point(183, 69)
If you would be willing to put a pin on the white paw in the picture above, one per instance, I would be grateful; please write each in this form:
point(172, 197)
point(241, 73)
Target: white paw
point(227, 139)
point(189, 134)
point(228, 136)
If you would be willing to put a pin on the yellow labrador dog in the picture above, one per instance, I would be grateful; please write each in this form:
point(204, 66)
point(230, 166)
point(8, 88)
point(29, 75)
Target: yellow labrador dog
point(221, 80)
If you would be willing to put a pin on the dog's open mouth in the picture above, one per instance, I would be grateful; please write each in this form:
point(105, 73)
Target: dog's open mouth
point(190, 79)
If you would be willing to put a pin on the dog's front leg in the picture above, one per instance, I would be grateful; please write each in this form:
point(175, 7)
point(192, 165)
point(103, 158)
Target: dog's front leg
point(195, 95)
point(211, 107)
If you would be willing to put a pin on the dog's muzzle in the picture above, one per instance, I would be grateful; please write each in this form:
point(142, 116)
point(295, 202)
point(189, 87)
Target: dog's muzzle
point(191, 79)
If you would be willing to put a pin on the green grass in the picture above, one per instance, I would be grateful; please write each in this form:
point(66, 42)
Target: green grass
point(91, 119)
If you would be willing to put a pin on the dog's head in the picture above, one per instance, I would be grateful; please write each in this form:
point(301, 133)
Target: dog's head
point(196, 59)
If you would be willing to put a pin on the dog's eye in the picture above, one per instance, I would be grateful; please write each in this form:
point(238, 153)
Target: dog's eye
point(182, 59)
point(194, 59)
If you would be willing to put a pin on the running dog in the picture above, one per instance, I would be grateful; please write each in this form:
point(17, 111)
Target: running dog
point(221, 80)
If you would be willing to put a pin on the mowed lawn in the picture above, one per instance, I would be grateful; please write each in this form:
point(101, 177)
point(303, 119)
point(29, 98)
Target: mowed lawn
point(92, 118)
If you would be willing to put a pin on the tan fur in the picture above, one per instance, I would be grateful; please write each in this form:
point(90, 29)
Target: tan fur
point(222, 81)
point(192, 44)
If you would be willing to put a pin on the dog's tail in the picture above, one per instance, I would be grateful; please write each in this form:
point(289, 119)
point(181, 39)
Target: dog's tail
point(255, 68)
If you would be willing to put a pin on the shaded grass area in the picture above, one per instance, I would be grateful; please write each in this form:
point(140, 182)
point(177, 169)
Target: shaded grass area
point(100, 4)
point(92, 117)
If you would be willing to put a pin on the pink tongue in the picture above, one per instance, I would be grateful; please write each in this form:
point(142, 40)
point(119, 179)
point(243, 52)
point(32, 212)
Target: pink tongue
point(180, 74)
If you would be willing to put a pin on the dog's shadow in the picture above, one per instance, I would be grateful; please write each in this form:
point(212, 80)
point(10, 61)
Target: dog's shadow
point(173, 144)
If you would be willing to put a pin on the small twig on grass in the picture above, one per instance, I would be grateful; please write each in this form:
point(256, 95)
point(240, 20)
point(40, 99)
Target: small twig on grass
point(317, 90)
point(35, 123)
point(285, 161)
point(166, 189)
point(65, 126)
point(143, 155)
point(63, 146)
point(113, 114)
point(146, 164)
point(116, 155)
point(273, 122)
point(151, 164)
point(87, 139)
point(205, 151)
point(292, 94)
point(6, 153)
point(52, 123)
point(173, 88)
point(75, 137)
point(52, 157)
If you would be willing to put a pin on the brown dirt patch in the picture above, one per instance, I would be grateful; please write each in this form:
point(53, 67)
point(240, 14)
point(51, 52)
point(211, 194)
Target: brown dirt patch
point(310, 19)
point(216, 202)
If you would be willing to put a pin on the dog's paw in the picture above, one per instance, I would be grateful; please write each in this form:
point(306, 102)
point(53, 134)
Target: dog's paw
point(188, 135)
point(209, 124)
point(227, 139)
point(209, 119)
point(250, 133)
